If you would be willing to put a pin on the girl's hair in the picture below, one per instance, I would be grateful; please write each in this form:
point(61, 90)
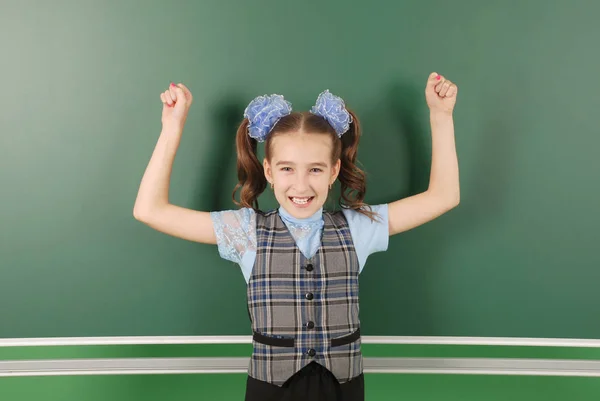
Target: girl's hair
point(251, 177)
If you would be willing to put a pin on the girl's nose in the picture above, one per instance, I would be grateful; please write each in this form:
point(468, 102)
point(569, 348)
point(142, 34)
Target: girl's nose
point(301, 182)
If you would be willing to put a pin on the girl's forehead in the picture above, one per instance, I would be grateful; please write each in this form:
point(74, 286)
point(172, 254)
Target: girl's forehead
point(301, 151)
point(301, 148)
point(314, 142)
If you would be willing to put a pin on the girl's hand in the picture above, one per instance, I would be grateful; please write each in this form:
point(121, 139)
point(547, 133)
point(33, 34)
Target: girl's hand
point(440, 94)
point(176, 104)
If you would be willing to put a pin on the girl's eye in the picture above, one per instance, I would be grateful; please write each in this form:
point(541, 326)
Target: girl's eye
point(316, 170)
point(286, 169)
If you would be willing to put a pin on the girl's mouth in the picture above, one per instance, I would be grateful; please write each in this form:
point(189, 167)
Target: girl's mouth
point(301, 201)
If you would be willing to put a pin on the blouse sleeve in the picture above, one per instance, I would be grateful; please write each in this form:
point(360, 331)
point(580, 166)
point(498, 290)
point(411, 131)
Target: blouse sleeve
point(369, 236)
point(236, 233)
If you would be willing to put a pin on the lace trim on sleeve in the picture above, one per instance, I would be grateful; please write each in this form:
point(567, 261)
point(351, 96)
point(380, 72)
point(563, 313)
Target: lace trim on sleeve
point(236, 233)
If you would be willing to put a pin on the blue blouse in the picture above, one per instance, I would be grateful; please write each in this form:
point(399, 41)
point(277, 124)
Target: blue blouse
point(236, 234)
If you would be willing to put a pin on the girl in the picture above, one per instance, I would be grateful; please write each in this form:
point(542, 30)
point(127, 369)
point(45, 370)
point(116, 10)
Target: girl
point(301, 263)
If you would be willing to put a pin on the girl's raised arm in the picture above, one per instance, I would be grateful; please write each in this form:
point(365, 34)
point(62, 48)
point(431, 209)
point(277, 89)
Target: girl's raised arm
point(152, 205)
point(443, 192)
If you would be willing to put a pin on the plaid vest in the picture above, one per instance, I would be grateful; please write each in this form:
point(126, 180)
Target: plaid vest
point(304, 310)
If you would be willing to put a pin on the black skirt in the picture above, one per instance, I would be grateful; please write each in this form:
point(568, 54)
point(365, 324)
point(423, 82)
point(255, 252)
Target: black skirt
point(313, 383)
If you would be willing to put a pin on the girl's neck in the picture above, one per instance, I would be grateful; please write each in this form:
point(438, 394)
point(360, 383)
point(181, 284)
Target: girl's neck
point(317, 216)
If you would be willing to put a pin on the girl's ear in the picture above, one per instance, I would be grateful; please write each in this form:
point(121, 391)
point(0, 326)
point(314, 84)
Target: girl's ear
point(267, 169)
point(335, 171)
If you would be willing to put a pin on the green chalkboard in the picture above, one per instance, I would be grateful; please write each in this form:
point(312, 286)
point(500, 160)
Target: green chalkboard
point(80, 115)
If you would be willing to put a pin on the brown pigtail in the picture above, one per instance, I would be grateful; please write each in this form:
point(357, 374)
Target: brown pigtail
point(352, 178)
point(251, 177)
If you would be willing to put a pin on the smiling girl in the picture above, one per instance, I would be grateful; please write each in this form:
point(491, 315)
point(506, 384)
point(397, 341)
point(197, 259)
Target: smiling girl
point(301, 263)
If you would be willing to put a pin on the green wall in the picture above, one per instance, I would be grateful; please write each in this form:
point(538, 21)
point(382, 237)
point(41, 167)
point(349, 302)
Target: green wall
point(381, 387)
point(81, 114)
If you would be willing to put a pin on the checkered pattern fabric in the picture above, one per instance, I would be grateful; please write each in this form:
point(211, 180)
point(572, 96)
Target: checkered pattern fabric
point(297, 306)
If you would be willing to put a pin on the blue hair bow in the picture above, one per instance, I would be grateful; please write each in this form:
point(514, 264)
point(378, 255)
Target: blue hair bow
point(263, 113)
point(333, 109)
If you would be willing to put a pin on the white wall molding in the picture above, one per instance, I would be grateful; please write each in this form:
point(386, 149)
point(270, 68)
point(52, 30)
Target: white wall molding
point(126, 366)
point(151, 340)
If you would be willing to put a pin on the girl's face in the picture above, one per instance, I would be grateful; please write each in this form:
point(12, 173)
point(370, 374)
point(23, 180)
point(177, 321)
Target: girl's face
point(301, 171)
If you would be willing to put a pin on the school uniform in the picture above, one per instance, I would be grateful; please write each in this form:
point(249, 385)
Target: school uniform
point(303, 298)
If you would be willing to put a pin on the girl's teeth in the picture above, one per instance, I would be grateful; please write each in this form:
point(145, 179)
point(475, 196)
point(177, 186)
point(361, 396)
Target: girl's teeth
point(300, 200)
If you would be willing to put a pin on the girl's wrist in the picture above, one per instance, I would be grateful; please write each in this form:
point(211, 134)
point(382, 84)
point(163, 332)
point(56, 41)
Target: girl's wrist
point(440, 114)
point(172, 129)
